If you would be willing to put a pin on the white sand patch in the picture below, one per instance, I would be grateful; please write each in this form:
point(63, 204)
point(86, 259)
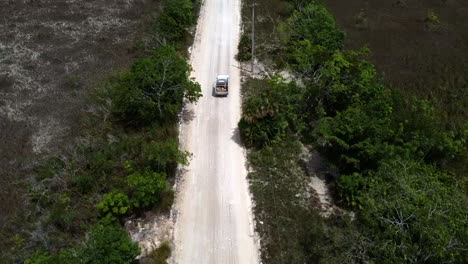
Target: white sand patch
point(150, 232)
point(321, 189)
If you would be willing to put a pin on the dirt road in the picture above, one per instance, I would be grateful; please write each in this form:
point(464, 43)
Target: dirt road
point(214, 221)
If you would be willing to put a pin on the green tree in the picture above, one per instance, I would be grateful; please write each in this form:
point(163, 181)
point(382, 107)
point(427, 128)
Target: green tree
point(315, 23)
point(176, 17)
point(413, 213)
point(154, 89)
point(108, 244)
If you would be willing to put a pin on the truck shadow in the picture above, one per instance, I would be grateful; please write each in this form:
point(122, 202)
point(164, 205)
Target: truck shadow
point(213, 91)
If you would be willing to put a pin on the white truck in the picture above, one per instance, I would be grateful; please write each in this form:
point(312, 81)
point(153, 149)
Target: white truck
point(221, 87)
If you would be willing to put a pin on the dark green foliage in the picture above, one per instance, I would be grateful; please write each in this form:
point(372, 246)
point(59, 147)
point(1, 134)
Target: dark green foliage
point(41, 257)
point(312, 35)
point(305, 58)
point(420, 215)
point(176, 19)
point(351, 187)
point(161, 254)
point(344, 79)
point(105, 244)
point(354, 139)
point(154, 89)
point(146, 188)
point(48, 169)
point(269, 112)
point(315, 23)
point(164, 156)
point(108, 244)
point(62, 215)
point(68, 256)
point(244, 48)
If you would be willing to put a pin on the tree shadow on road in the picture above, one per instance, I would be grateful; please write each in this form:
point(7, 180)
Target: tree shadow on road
point(187, 115)
point(236, 137)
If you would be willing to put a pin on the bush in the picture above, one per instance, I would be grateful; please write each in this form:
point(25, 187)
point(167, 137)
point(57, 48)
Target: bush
point(154, 89)
point(161, 254)
point(115, 204)
point(105, 244)
point(108, 245)
point(269, 113)
point(244, 48)
point(146, 188)
point(41, 257)
point(177, 16)
point(312, 36)
point(314, 23)
point(164, 156)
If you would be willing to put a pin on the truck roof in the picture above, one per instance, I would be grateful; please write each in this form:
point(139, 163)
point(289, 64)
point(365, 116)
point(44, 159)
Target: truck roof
point(223, 77)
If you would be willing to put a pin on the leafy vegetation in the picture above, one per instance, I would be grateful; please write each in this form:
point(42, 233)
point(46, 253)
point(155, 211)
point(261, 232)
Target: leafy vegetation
point(390, 152)
point(420, 215)
point(146, 188)
point(161, 254)
point(114, 204)
point(124, 161)
point(154, 88)
point(174, 23)
point(244, 48)
point(269, 113)
point(107, 244)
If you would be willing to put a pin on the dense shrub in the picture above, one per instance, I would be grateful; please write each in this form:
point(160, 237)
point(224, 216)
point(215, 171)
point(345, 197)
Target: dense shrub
point(115, 204)
point(419, 213)
point(269, 114)
point(161, 254)
point(312, 34)
point(146, 188)
point(105, 244)
point(164, 156)
point(41, 257)
point(108, 244)
point(315, 23)
point(175, 20)
point(244, 48)
point(154, 89)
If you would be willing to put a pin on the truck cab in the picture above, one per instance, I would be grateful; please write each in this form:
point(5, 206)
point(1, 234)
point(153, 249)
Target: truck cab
point(221, 87)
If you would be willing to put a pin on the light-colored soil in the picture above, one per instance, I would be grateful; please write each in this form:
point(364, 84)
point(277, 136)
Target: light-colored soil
point(214, 223)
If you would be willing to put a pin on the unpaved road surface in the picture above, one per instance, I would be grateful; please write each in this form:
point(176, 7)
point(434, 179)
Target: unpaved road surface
point(214, 221)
